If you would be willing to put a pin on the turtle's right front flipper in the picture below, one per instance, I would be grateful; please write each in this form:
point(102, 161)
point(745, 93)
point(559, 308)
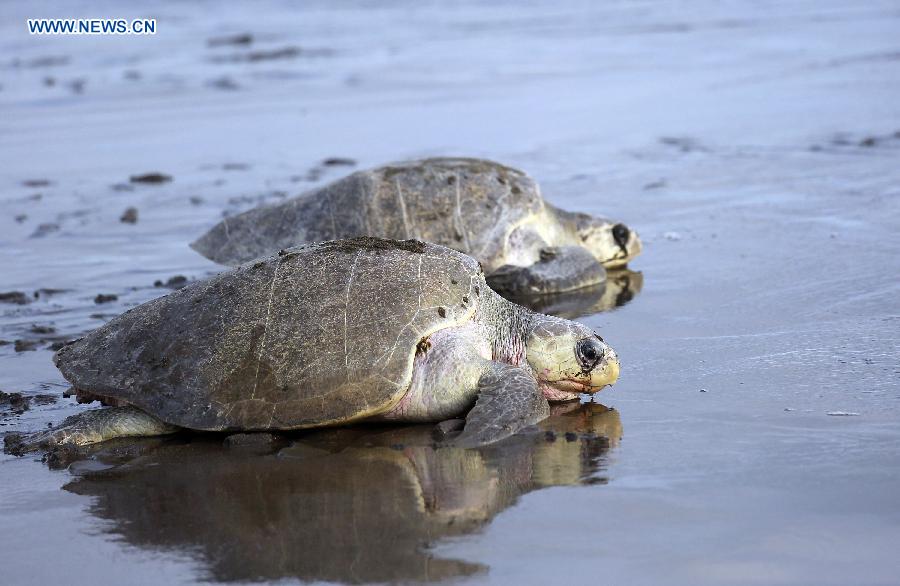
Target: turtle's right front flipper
point(508, 400)
point(90, 427)
point(559, 269)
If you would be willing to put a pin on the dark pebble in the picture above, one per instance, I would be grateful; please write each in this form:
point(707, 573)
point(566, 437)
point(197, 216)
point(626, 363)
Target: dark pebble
point(25, 345)
point(129, 216)
point(176, 282)
point(36, 329)
point(102, 298)
point(151, 178)
point(339, 162)
point(550, 436)
point(571, 436)
point(241, 39)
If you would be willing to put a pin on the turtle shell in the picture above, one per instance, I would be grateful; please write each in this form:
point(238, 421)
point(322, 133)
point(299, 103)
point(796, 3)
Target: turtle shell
point(315, 335)
point(470, 205)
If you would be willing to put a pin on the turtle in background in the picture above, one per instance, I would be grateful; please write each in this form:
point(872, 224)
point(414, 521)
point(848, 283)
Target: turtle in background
point(491, 212)
point(327, 334)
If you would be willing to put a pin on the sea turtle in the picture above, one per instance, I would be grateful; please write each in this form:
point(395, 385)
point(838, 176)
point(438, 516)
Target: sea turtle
point(326, 334)
point(487, 210)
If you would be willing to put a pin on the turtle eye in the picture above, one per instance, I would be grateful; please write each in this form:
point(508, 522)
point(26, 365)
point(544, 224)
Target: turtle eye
point(620, 234)
point(589, 352)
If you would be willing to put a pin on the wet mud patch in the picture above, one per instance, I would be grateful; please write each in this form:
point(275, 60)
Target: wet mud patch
point(15, 403)
point(15, 297)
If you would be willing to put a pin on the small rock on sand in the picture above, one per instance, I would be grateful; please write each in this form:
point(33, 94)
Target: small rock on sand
point(25, 345)
point(36, 329)
point(176, 282)
point(241, 39)
point(129, 216)
point(104, 298)
point(151, 178)
point(339, 162)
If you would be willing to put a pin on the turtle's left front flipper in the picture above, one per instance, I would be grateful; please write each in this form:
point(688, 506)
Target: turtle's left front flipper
point(508, 400)
point(559, 269)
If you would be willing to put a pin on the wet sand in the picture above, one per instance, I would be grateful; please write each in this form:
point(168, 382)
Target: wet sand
point(756, 152)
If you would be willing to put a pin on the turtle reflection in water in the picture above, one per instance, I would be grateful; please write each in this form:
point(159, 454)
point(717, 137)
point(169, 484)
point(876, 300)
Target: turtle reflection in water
point(360, 504)
point(620, 287)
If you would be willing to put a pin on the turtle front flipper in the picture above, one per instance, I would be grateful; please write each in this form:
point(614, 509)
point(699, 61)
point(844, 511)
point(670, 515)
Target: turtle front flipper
point(508, 400)
point(559, 269)
point(90, 427)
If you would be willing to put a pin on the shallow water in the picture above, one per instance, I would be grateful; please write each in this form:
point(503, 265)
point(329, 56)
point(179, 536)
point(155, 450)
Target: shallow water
point(754, 148)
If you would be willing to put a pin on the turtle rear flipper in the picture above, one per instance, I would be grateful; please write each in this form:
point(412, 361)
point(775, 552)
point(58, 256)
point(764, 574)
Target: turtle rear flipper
point(90, 427)
point(508, 400)
point(559, 269)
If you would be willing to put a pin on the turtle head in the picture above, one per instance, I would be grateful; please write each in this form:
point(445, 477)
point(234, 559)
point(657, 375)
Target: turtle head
point(612, 243)
point(569, 359)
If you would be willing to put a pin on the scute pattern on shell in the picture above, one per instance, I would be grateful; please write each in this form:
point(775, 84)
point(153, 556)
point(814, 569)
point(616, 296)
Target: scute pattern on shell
point(470, 205)
point(316, 334)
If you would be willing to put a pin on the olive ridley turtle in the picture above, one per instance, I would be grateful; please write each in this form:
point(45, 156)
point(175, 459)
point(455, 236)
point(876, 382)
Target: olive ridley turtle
point(487, 210)
point(327, 334)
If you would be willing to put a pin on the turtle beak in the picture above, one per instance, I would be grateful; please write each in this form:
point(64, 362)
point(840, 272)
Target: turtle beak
point(606, 371)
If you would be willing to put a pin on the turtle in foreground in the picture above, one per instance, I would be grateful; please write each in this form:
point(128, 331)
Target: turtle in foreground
point(326, 334)
point(491, 212)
